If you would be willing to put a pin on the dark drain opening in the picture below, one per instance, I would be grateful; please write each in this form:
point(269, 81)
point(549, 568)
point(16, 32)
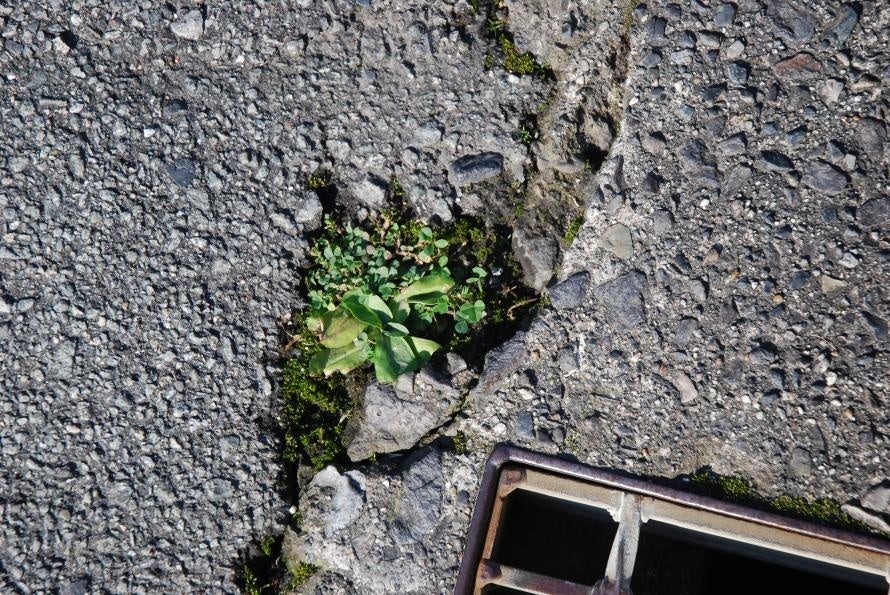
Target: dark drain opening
point(554, 537)
point(675, 561)
point(549, 526)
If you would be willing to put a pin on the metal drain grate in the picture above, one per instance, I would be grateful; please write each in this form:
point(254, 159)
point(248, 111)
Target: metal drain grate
point(549, 526)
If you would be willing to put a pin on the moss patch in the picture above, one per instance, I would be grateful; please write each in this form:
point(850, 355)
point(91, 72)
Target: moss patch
point(572, 230)
point(267, 571)
point(739, 490)
point(506, 296)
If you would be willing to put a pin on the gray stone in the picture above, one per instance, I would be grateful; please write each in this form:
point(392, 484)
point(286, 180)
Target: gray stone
point(472, 169)
point(622, 300)
point(571, 292)
point(774, 161)
point(878, 498)
point(871, 520)
point(370, 192)
point(825, 178)
point(734, 145)
point(830, 90)
point(337, 500)
point(737, 72)
point(872, 136)
point(698, 162)
point(308, 210)
point(525, 425)
point(654, 143)
point(617, 240)
point(839, 29)
point(685, 330)
point(874, 213)
point(801, 462)
point(662, 222)
point(735, 50)
point(420, 506)
point(724, 15)
point(182, 171)
point(390, 420)
point(793, 23)
point(686, 388)
point(456, 363)
point(189, 26)
point(500, 363)
point(831, 284)
point(537, 255)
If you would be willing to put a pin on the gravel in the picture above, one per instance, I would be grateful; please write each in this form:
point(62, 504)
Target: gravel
point(154, 206)
point(746, 330)
point(724, 302)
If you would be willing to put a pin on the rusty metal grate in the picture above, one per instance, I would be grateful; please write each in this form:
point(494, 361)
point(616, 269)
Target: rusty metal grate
point(546, 525)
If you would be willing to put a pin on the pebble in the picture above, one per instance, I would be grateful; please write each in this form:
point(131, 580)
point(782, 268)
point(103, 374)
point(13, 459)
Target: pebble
point(774, 161)
point(724, 15)
point(654, 143)
point(472, 169)
point(800, 67)
point(570, 293)
point(825, 178)
point(686, 388)
point(182, 171)
point(189, 26)
point(874, 212)
point(617, 240)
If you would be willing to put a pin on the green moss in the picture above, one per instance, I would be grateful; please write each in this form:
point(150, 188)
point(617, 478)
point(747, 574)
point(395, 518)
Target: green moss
point(506, 296)
point(739, 490)
point(319, 180)
point(572, 230)
point(516, 62)
point(250, 583)
point(396, 192)
point(628, 19)
point(459, 443)
point(314, 408)
point(267, 545)
point(301, 573)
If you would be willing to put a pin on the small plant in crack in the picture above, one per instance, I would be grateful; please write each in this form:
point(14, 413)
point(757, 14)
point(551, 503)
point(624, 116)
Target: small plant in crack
point(378, 294)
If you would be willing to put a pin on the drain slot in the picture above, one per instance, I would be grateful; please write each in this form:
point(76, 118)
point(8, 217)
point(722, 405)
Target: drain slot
point(675, 561)
point(554, 537)
point(545, 525)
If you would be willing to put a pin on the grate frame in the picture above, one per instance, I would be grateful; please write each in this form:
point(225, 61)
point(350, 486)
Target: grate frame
point(632, 502)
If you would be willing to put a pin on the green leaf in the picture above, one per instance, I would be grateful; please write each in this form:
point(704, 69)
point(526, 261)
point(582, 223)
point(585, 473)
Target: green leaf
point(426, 234)
point(480, 272)
point(340, 328)
point(434, 282)
point(461, 327)
point(362, 313)
point(343, 360)
point(379, 307)
point(394, 329)
point(424, 348)
point(314, 323)
point(443, 260)
point(400, 310)
point(440, 244)
point(392, 357)
point(428, 298)
point(472, 312)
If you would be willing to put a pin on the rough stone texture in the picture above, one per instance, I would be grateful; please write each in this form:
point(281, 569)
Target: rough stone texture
point(744, 332)
point(571, 292)
point(154, 203)
point(154, 200)
point(390, 419)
